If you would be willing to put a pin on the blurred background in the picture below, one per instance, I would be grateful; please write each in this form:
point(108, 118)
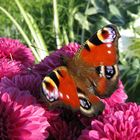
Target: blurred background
point(46, 25)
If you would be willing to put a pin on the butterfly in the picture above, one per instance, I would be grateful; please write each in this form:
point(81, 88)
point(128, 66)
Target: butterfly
point(91, 74)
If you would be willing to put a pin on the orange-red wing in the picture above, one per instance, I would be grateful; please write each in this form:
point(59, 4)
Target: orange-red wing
point(101, 48)
point(59, 89)
point(100, 55)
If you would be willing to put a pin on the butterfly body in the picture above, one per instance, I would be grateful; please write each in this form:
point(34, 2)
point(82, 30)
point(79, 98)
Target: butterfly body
point(90, 74)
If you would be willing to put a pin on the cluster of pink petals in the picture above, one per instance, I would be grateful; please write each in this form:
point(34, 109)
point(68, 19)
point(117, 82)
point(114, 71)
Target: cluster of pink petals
point(9, 68)
point(60, 128)
point(121, 122)
point(25, 81)
point(21, 117)
point(14, 57)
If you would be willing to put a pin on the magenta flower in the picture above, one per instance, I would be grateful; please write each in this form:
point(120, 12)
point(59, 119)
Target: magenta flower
point(14, 57)
point(21, 117)
point(60, 127)
point(27, 81)
point(121, 122)
point(9, 68)
point(14, 50)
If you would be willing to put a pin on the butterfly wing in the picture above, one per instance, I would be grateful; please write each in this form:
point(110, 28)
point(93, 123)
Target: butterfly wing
point(107, 81)
point(59, 89)
point(101, 48)
point(96, 62)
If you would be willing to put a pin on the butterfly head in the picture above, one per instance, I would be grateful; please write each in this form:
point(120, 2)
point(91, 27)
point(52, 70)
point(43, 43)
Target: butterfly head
point(108, 34)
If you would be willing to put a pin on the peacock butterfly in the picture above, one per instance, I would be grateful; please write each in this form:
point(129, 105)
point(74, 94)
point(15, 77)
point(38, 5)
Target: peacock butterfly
point(90, 75)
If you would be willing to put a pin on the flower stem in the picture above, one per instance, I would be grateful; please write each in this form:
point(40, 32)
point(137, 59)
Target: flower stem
point(56, 25)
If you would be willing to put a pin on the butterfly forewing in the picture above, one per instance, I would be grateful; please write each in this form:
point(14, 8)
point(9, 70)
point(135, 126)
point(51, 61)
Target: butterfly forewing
point(101, 48)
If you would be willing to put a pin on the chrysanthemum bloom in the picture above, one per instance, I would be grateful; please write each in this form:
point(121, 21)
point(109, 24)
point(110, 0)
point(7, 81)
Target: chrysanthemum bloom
point(9, 68)
point(121, 122)
point(60, 127)
point(28, 81)
point(13, 49)
point(21, 117)
point(14, 57)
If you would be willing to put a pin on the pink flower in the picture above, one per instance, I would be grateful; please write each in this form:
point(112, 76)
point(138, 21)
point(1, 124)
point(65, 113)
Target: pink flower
point(26, 81)
point(14, 50)
point(29, 81)
point(121, 122)
point(9, 68)
point(53, 60)
point(21, 118)
point(61, 126)
point(14, 57)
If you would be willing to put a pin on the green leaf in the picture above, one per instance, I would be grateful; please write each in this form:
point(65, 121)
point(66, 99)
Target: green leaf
point(42, 48)
point(117, 20)
point(91, 11)
point(101, 6)
point(136, 64)
point(82, 19)
point(114, 10)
